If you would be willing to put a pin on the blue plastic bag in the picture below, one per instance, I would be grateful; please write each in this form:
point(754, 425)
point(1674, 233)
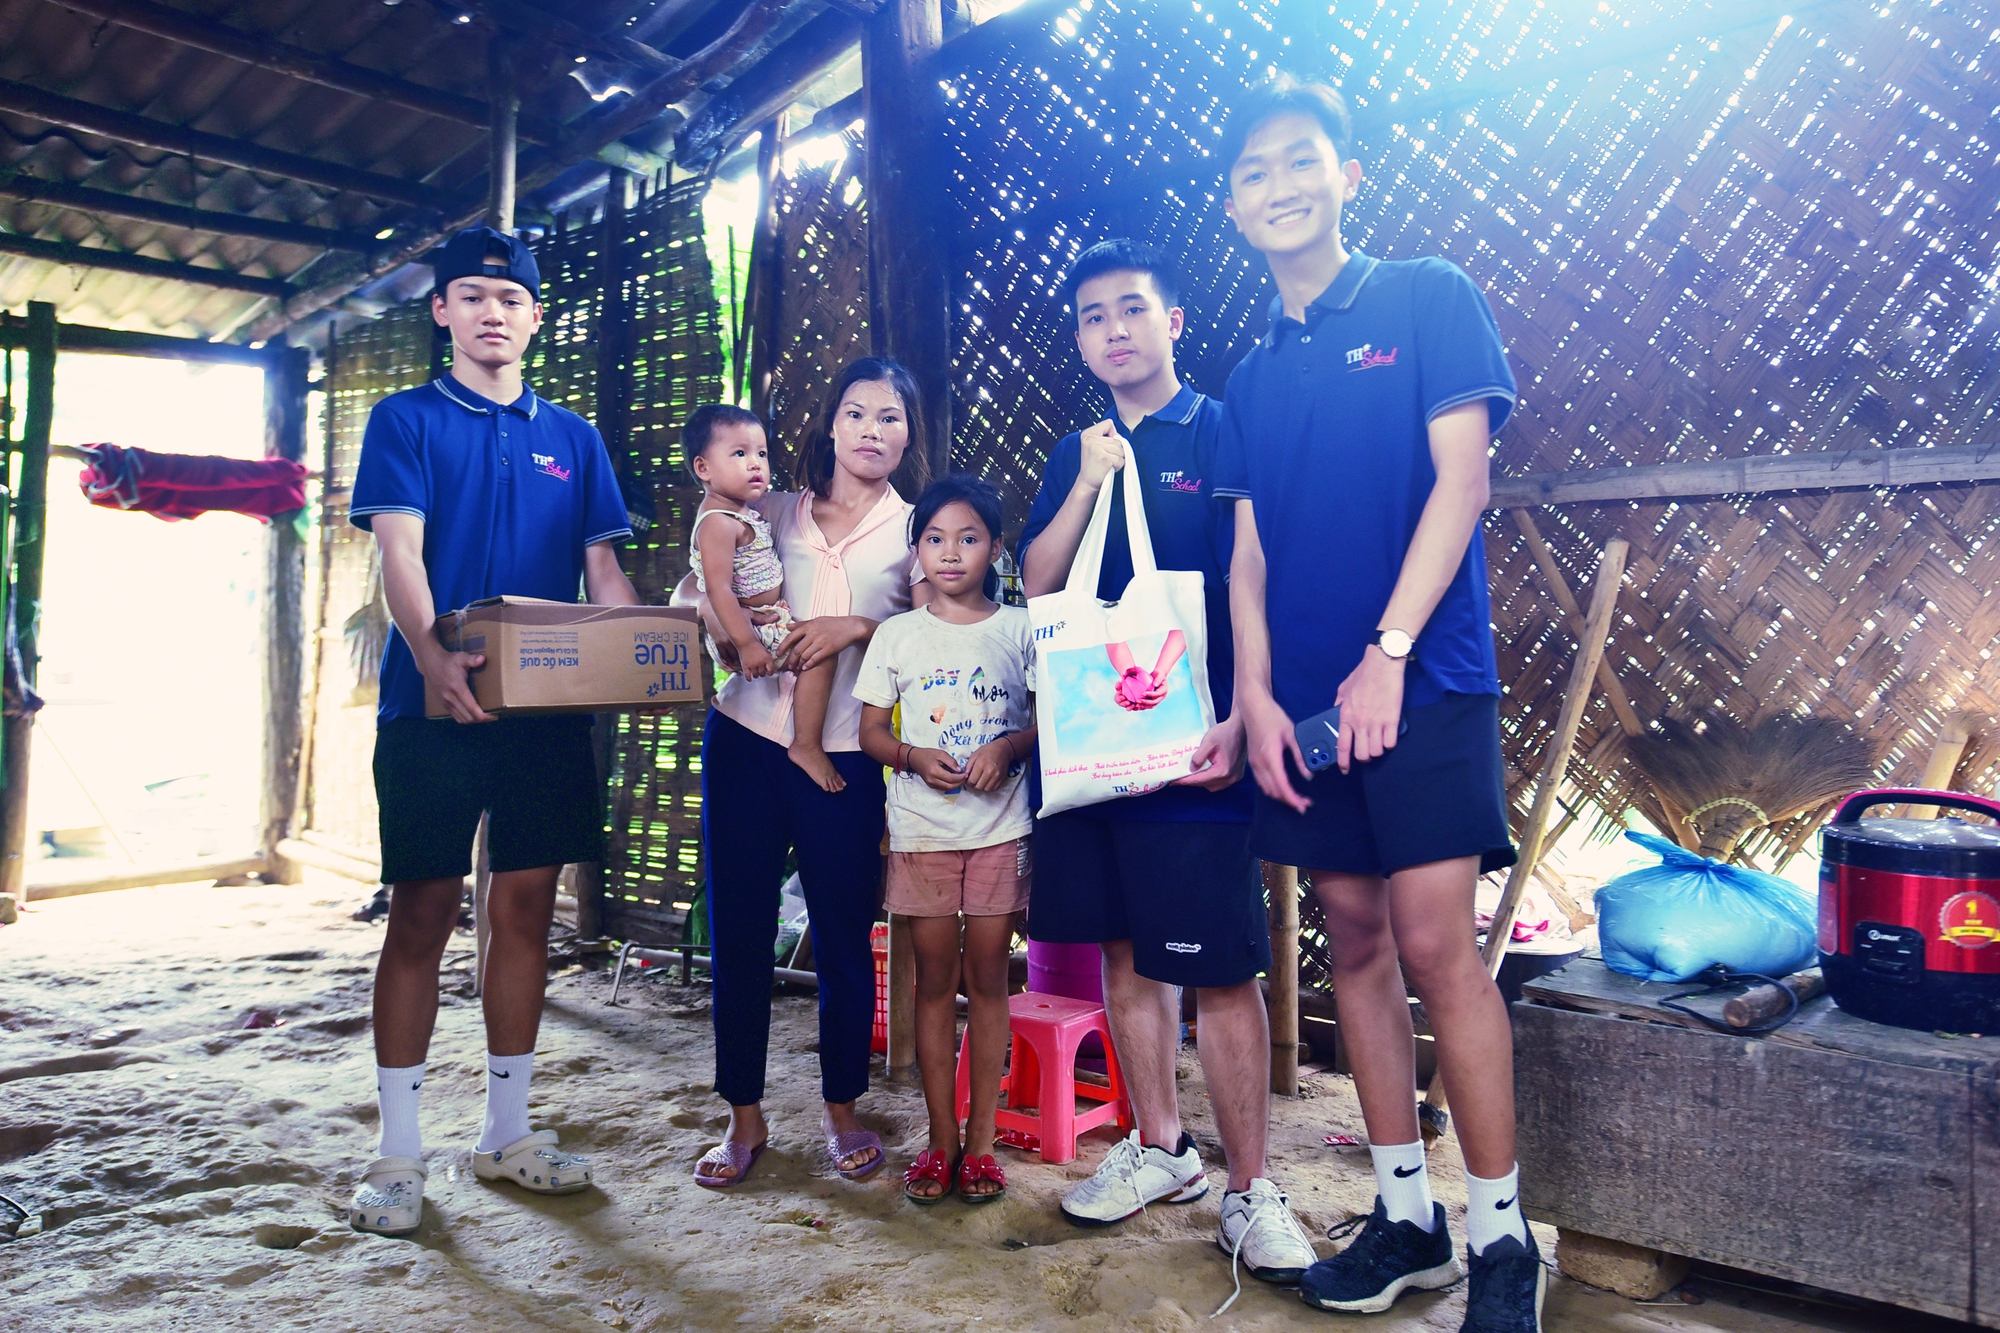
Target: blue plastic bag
point(1675, 920)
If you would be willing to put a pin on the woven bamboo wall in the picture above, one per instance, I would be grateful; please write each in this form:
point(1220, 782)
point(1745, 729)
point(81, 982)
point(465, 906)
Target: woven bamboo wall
point(822, 316)
point(1703, 238)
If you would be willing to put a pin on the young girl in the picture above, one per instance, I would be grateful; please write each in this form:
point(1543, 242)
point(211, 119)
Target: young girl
point(958, 812)
point(735, 565)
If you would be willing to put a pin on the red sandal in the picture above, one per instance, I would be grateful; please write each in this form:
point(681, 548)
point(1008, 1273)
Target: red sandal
point(974, 1170)
point(932, 1166)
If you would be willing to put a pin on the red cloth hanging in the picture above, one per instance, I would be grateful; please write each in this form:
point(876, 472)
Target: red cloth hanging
point(181, 486)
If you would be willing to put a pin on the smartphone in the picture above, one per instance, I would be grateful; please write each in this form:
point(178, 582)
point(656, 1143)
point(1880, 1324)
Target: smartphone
point(1319, 738)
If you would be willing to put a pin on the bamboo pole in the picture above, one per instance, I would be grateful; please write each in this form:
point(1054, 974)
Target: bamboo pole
point(1958, 732)
point(1281, 883)
point(1628, 718)
point(1590, 652)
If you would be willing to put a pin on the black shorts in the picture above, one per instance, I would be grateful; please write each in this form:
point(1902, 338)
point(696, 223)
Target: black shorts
point(1438, 795)
point(536, 775)
point(1188, 895)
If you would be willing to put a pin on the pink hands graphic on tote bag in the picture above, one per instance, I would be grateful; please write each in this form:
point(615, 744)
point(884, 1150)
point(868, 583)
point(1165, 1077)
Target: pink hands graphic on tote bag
point(1110, 726)
point(1140, 689)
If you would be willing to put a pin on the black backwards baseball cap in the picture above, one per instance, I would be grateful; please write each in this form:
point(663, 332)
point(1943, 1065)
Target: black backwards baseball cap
point(482, 252)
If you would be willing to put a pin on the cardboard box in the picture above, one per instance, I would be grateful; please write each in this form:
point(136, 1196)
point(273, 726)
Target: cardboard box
point(565, 657)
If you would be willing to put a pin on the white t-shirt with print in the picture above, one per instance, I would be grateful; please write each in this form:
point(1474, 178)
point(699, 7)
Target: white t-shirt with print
point(960, 686)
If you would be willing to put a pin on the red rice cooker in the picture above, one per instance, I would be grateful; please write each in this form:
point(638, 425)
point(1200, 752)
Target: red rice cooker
point(1909, 913)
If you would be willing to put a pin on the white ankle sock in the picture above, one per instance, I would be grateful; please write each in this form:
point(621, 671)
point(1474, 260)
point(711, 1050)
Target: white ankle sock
point(506, 1100)
point(1493, 1210)
point(1404, 1182)
point(396, 1093)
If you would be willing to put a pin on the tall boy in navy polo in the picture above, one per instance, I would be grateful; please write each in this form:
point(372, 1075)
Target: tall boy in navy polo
point(474, 487)
point(1164, 882)
point(1356, 446)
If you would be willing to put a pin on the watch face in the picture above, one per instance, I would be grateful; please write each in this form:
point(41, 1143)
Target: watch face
point(1395, 643)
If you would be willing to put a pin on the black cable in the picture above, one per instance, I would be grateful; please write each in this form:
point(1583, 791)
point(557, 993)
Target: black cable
point(1720, 978)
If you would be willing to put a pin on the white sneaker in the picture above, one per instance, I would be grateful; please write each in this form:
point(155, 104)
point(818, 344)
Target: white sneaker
point(1133, 1175)
point(389, 1201)
point(1258, 1230)
point(534, 1163)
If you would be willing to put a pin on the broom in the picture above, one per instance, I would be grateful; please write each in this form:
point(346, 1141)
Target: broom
point(1732, 778)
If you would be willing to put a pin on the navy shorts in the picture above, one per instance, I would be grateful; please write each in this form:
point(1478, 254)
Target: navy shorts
point(536, 775)
point(1189, 895)
point(1437, 796)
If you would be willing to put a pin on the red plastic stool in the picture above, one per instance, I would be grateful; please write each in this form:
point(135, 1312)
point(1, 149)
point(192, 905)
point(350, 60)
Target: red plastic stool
point(1040, 1084)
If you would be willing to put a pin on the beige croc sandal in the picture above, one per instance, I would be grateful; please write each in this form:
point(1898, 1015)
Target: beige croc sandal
point(389, 1201)
point(535, 1163)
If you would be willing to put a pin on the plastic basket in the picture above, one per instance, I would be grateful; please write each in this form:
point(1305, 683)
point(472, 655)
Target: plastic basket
point(878, 944)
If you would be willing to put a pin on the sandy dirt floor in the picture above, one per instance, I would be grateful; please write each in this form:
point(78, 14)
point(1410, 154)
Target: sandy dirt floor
point(192, 1170)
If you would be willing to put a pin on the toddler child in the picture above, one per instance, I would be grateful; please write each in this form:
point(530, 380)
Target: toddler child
point(958, 813)
point(737, 567)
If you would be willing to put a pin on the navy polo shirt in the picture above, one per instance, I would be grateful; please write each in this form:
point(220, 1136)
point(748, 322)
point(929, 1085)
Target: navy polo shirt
point(1327, 434)
point(510, 497)
point(1175, 452)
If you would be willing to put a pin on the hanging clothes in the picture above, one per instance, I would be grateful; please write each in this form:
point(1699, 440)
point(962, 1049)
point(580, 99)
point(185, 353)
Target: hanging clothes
point(182, 486)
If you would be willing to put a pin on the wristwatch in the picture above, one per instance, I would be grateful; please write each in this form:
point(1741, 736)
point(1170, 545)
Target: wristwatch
point(1394, 643)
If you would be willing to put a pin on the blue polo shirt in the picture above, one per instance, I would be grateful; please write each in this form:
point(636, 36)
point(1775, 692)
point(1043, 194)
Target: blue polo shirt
point(1327, 434)
point(1175, 451)
point(510, 497)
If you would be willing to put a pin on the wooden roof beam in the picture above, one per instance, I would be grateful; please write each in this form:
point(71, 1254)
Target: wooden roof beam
point(126, 342)
point(587, 139)
point(84, 199)
point(268, 53)
point(1770, 473)
point(767, 88)
point(529, 21)
point(126, 127)
point(87, 256)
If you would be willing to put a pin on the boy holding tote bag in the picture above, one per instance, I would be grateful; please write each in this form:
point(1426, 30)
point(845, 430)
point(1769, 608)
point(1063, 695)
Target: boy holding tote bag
point(1162, 879)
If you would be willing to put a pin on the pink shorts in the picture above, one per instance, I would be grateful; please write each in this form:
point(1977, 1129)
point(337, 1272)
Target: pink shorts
point(986, 881)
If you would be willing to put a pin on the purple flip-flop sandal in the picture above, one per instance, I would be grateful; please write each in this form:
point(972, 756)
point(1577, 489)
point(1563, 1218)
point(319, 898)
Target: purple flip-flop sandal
point(842, 1146)
point(731, 1154)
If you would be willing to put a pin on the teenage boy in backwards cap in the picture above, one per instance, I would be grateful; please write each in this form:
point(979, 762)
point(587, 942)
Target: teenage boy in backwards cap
point(475, 487)
point(1164, 882)
point(1355, 443)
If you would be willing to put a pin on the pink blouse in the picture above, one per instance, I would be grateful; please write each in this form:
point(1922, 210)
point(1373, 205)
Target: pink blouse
point(868, 573)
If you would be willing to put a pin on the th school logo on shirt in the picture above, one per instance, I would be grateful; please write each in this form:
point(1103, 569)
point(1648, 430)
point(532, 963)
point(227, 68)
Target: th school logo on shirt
point(1180, 481)
point(546, 465)
point(1367, 357)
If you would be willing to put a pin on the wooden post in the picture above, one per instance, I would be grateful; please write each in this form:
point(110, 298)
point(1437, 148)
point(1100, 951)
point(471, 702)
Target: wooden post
point(30, 549)
point(767, 272)
point(614, 320)
point(909, 286)
point(1555, 768)
point(902, 998)
point(284, 615)
point(1281, 883)
point(614, 422)
point(316, 632)
point(504, 97)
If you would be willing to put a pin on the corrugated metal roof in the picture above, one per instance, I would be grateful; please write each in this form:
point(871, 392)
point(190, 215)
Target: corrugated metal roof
point(54, 49)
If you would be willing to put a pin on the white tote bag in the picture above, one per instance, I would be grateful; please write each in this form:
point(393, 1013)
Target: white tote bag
point(1122, 695)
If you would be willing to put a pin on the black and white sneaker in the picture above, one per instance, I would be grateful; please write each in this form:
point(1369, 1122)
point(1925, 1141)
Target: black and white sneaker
point(1385, 1260)
point(1507, 1287)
